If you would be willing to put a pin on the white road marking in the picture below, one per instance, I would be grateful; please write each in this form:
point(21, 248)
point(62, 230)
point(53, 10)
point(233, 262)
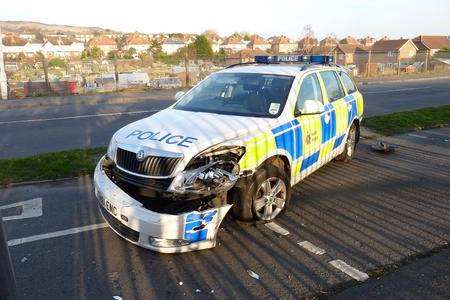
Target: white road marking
point(396, 90)
point(417, 136)
point(311, 248)
point(277, 228)
point(30, 209)
point(55, 234)
point(349, 270)
point(80, 117)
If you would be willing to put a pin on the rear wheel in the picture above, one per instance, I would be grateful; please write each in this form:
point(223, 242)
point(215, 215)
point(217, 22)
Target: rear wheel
point(263, 197)
point(350, 146)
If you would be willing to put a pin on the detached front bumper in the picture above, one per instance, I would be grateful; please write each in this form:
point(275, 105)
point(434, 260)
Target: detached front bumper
point(165, 233)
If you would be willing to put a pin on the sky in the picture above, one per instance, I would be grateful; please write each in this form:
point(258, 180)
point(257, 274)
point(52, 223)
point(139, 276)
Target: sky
point(359, 18)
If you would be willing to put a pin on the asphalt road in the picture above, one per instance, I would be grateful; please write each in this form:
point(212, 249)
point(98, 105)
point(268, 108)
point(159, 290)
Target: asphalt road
point(31, 131)
point(375, 212)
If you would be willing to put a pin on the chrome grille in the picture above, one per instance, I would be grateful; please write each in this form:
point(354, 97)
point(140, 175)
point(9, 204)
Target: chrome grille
point(151, 166)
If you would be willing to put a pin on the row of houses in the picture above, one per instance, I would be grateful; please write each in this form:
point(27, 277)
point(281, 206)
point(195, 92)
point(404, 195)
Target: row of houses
point(67, 46)
point(364, 55)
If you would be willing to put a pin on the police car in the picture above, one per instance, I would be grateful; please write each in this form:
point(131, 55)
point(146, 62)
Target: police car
point(235, 142)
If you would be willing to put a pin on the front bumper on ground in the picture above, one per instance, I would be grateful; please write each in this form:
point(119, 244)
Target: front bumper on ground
point(165, 233)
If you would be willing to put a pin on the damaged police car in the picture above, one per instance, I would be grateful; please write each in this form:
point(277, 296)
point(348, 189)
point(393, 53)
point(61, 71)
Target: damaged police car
point(237, 141)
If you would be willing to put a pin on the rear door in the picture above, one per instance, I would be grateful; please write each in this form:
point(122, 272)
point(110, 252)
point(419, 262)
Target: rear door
point(332, 119)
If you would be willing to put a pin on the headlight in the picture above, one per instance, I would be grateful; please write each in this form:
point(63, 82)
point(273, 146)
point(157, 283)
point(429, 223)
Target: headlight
point(112, 149)
point(212, 171)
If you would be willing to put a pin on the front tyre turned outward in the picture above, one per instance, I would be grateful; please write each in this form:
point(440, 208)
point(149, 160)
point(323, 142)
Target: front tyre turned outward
point(263, 197)
point(350, 146)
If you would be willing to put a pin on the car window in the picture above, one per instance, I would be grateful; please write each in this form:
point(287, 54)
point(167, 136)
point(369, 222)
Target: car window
point(243, 94)
point(309, 90)
point(348, 83)
point(332, 85)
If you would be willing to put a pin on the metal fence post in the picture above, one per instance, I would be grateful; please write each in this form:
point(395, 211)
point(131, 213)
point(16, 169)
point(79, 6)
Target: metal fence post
point(7, 280)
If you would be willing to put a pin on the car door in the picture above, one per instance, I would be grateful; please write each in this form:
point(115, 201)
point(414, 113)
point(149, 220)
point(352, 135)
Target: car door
point(309, 141)
point(334, 120)
point(353, 99)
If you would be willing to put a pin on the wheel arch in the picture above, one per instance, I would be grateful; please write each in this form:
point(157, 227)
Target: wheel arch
point(357, 124)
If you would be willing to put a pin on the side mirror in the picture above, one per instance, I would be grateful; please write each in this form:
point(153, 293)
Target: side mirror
point(179, 94)
point(312, 107)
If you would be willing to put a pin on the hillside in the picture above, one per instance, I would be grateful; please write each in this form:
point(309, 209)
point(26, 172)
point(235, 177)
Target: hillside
point(26, 26)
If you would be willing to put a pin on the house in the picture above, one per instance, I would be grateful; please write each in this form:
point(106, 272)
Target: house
point(138, 42)
point(172, 45)
point(349, 41)
point(105, 43)
point(62, 47)
point(393, 51)
point(321, 50)
point(307, 43)
point(14, 45)
point(243, 56)
point(83, 37)
point(27, 36)
point(258, 42)
point(431, 44)
point(329, 41)
point(367, 41)
point(234, 43)
point(283, 44)
point(392, 55)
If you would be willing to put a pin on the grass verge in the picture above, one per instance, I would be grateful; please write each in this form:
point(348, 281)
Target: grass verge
point(49, 166)
point(414, 120)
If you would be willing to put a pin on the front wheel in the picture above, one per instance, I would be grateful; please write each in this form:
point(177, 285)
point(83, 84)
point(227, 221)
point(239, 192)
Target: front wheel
point(264, 197)
point(350, 146)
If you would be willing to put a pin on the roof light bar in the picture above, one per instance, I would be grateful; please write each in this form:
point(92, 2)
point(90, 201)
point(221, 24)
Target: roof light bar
point(321, 59)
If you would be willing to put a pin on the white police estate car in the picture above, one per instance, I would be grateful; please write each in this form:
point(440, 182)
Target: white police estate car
point(239, 139)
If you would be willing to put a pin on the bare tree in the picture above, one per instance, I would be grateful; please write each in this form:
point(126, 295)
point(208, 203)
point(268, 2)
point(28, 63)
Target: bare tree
point(308, 31)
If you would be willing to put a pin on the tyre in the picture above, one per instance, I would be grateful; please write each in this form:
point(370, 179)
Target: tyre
point(350, 145)
point(263, 197)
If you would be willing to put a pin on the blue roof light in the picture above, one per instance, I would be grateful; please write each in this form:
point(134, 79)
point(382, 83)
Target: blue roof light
point(321, 59)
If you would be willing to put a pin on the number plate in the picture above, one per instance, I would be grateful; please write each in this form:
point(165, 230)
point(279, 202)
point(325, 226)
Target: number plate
point(111, 208)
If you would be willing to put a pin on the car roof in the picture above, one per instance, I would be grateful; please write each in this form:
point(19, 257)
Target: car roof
point(275, 69)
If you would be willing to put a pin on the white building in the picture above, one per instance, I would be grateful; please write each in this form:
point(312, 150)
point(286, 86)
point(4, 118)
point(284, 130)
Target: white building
point(62, 47)
point(170, 46)
point(234, 43)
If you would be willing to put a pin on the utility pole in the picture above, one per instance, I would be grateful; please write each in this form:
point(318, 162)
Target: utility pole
point(398, 62)
point(426, 60)
point(7, 280)
point(3, 82)
point(368, 63)
point(186, 66)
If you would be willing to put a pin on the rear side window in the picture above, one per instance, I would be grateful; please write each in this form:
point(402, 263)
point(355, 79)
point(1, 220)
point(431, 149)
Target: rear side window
point(309, 90)
point(348, 83)
point(332, 85)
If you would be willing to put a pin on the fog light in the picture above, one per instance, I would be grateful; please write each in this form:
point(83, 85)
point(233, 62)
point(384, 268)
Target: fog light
point(165, 243)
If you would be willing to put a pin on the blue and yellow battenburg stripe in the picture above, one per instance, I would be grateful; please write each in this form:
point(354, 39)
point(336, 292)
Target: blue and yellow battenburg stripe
point(306, 139)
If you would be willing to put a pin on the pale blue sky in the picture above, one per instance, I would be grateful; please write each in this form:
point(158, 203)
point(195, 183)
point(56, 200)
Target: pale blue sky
point(395, 18)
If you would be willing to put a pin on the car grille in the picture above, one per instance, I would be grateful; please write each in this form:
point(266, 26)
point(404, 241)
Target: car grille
point(123, 230)
point(151, 166)
point(140, 182)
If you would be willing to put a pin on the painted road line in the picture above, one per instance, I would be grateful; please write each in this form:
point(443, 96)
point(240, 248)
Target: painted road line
point(80, 117)
point(55, 234)
point(417, 136)
point(396, 90)
point(277, 228)
point(311, 248)
point(30, 209)
point(349, 270)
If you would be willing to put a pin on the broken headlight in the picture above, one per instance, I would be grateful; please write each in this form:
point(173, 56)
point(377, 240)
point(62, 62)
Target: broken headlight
point(213, 171)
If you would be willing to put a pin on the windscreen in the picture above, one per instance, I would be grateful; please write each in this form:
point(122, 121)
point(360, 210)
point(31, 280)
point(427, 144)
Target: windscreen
point(244, 94)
